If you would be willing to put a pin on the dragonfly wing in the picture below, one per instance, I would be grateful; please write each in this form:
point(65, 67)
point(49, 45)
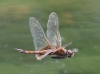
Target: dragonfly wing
point(39, 38)
point(43, 56)
point(53, 34)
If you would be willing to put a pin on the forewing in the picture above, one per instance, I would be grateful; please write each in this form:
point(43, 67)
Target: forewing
point(53, 34)
point(39, 38)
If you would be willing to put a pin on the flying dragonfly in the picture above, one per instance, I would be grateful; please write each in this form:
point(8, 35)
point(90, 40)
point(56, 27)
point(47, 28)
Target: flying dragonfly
point(49, 44)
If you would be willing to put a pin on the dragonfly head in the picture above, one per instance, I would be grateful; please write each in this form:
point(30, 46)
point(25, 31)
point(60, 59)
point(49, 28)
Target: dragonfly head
point(69, 53)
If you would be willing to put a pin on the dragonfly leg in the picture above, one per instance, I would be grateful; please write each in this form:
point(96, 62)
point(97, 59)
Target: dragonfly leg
point(67, 44)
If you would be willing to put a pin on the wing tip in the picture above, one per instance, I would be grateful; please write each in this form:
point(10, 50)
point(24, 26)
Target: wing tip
point(31, 18)
point(53, 14)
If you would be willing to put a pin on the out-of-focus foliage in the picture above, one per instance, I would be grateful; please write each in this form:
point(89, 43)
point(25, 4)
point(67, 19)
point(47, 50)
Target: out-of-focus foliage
point(79, 22)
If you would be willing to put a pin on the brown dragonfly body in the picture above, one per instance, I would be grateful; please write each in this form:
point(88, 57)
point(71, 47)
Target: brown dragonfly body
point(49, 44)
point(60, 51)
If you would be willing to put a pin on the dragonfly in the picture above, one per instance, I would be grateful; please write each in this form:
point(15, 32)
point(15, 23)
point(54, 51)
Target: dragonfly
point(49, 43)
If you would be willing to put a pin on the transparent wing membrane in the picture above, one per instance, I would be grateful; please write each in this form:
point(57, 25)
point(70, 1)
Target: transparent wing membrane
point(39, 38)
point(53, 34)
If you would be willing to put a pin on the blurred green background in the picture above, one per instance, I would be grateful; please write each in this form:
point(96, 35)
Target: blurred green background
point(79, 22)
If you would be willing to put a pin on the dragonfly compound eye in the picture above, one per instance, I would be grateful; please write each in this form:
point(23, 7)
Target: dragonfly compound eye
point(69, 53)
